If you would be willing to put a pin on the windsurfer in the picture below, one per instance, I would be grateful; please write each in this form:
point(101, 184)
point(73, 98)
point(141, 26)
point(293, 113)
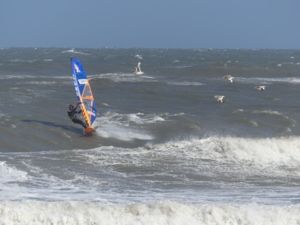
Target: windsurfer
point(74, 114)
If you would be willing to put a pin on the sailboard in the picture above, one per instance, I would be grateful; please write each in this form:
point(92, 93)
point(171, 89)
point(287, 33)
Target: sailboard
point(138, 70)
point(84, 95)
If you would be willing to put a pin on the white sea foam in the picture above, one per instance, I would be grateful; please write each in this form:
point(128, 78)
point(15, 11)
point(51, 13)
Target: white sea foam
point(24, 77)
point(276, 153)
point(183, 66)
point(40, 82)
point(2, 115)
point(185, 83)
point(124, 77)
point(246, 156)
point(126, 127)
point(48, 60)
point(272, 113)
point(115, 131)
point(140, 118)
point(59, 77)
point(6, 77)
point(268, 80)
point(163, 213)
point(23, 60)
point(276, 113)
point(73, 51)
point(117, 126)
point(268, 112)
point(135, 118)
point(215, 157)
point(11, 174)
point(10, 179)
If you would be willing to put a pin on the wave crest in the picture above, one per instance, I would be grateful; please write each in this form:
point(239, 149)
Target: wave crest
point(259, 152)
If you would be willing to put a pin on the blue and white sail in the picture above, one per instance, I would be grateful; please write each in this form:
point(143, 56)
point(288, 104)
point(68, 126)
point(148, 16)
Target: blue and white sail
point(84, 92)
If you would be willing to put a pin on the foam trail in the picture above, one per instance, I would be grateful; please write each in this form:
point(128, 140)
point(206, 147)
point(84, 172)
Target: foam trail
point(140, 118)
point(126, 119)
point(124, 126)
point(122, 133)
point(69, 213)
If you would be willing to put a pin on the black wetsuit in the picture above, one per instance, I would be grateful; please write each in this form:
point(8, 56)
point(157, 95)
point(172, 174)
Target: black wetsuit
point(75, 116)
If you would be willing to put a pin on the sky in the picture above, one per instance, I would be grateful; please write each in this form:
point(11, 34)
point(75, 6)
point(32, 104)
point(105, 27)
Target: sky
point(150, 23)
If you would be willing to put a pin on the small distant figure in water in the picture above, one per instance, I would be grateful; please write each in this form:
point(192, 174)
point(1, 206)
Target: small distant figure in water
point(75, 115)
point(220, 98)
point(260, 87)
point(229, 78)
point(138, 70)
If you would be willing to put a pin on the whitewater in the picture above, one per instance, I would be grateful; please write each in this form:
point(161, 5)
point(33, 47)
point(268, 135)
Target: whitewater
point(164, 151)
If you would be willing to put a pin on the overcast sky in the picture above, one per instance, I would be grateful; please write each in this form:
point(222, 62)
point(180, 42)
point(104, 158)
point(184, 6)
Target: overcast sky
point(150, 23)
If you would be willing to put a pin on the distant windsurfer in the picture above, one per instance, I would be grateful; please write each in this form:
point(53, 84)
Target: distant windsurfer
point(74, 114)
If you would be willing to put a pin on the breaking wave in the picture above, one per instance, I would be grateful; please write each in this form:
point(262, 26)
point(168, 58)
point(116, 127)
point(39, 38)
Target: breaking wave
point(162, 213)
point(215, 157)
point(11, 174)
point(278, 153)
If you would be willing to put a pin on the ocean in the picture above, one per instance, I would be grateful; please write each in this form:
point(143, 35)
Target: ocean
point(164, 151)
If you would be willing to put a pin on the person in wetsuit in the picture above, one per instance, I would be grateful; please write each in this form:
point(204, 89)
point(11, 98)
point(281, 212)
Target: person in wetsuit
point(74, 114)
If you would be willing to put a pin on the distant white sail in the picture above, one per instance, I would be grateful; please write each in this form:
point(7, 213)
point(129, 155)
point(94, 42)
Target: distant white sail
point(138, 70)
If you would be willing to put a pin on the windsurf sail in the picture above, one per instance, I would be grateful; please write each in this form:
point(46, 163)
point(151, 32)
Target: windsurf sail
point(139, 67)
point(84, 92)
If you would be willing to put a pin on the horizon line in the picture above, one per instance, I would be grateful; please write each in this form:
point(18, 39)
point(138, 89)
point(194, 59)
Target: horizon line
point(146, 48)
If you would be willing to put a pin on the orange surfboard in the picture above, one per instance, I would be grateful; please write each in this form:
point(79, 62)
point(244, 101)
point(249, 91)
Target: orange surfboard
point(89, 130)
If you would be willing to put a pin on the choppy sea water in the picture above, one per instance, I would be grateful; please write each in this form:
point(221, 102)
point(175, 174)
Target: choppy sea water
point(164, 151)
